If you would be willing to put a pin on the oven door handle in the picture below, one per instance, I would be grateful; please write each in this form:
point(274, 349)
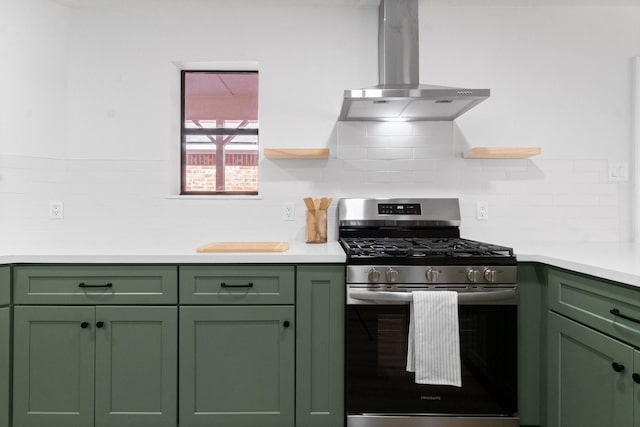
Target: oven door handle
point(381, 297)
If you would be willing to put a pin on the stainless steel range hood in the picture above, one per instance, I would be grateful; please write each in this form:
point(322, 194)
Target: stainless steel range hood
point(400, 96)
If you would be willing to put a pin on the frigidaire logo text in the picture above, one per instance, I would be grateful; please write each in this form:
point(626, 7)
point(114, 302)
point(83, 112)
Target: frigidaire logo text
point(430, 398)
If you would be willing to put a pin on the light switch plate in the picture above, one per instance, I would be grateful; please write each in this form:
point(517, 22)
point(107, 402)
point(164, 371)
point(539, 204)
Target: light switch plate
point(619, 171)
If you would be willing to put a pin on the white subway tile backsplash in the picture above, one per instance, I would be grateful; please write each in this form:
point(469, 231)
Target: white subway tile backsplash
point(351, 152)
point(600, 166)
point(434, 132)
point(390, 176)
point(434, 151)
point(531, 199)
point(389, 128)
point(389, 153)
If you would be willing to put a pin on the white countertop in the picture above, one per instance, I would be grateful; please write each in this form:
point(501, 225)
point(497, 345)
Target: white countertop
point(298, 253)
point(619, 262)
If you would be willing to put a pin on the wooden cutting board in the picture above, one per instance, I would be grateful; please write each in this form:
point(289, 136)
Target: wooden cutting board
point(244, 247)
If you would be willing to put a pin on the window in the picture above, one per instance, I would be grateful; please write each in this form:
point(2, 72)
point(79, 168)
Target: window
point(219, 132)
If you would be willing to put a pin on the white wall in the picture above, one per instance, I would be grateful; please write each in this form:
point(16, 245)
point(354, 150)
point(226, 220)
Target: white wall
point(91, 116)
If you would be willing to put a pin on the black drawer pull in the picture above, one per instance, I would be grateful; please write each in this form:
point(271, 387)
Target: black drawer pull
point(636, 378)
point(99, 324)
point(617, 367)
point(616, 312)
point(106, 285)
point(286, 324)
point(84, 325)
point(248, 285)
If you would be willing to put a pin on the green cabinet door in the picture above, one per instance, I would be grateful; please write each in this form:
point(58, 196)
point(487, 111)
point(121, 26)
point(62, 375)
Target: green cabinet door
point(636, 389)
point(53, 366)
point(585, 390)
point(320, 312)
point(136, 366)
point(4, 366)
point(237, 366)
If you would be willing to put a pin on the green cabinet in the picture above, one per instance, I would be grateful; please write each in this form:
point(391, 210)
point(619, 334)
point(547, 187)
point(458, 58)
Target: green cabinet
point(5, 285)
point(585, 387)
point(5, 323)
point(320, 305)
point(234, 345)
point(237, 284)
point(5, 344)
point(237, 366)
point(532, 319)
point(53, 367)
point(636, 388)
point(250, 357)
point(136, 366)
point(593, 357)
point(95, 285)
point(80, 366)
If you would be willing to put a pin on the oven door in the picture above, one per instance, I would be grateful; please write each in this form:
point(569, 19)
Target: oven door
point(380, 392)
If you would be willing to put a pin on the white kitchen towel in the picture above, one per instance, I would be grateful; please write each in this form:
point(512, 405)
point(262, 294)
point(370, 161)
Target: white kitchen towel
point(434, 338)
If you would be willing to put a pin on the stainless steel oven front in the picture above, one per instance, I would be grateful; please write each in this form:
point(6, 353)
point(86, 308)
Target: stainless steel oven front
point(381, 393)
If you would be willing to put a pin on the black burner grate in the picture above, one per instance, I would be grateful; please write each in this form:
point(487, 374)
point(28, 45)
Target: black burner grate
point(421, 249)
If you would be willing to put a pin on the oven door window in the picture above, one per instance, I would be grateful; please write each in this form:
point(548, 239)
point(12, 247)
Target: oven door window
point(378, 382)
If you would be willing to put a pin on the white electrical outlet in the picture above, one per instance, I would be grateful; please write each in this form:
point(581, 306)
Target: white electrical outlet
point(56, 209)
point(482, 211)
point(288, 212)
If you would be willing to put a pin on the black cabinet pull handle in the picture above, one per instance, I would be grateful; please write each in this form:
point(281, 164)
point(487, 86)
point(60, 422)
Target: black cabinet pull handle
point(225, 285)
point(617, 367)
point(286, 324)
point(616, 312)
point(99, 324)
point(84, 325)
point(636, 378)
point(106, 285)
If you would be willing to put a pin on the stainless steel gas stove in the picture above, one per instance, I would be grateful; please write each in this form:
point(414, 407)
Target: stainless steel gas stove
point(398, 246)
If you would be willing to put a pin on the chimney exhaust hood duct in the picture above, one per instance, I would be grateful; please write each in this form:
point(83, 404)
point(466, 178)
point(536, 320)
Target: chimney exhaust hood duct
point(400, 96)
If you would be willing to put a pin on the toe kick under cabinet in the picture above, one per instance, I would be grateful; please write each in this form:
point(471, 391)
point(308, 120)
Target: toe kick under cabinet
point(95, 346)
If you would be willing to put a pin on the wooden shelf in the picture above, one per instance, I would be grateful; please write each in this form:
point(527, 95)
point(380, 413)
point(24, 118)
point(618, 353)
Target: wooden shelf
point(502, 152)
point(296, 153)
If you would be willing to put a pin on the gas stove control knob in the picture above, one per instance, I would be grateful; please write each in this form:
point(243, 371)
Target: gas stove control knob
point(473, 275)
point(490, 275)
point(391, 275)
point(432, 275)
point(373, 276)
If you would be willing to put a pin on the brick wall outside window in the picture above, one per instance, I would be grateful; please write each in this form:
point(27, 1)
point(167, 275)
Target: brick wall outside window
point(241, 172)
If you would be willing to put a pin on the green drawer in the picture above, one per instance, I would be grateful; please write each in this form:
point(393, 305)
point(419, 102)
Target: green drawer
point(237, 284)
point(63, 284)
point(5, 285)
point(591, 301)
point(4, 366)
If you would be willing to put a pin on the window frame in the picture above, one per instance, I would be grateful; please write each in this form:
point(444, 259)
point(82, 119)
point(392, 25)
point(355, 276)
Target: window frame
point(184, 132)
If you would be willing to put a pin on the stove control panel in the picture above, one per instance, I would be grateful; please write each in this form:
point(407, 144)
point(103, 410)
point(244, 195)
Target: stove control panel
point(443, 274)
point(399, 209)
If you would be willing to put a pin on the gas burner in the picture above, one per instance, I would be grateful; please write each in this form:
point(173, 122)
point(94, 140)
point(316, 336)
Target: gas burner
point(421, 249)
point(386, 231)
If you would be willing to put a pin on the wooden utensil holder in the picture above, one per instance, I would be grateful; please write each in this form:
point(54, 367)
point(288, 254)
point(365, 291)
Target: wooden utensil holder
point(317, 226)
